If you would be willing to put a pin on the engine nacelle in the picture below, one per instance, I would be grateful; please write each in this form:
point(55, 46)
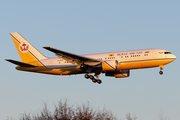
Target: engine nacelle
point(110, 65)
point(118, 74)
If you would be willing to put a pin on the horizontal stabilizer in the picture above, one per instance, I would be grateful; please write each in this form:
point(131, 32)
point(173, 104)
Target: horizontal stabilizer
point(20, 63)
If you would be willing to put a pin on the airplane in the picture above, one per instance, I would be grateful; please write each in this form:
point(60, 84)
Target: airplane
point(113, 64)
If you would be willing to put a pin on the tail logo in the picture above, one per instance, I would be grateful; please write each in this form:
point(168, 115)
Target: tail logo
point(23, 47)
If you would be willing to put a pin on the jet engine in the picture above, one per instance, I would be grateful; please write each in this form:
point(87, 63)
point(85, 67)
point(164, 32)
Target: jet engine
point(118, 74)
point(110, 65)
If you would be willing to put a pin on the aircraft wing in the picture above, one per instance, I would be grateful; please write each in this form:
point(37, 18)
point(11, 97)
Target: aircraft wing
point(73, 58)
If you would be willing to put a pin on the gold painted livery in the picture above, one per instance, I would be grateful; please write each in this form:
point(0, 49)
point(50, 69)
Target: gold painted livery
point(115, 64)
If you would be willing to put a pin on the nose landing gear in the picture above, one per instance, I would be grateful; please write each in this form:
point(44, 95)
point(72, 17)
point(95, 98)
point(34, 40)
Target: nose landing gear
point(92, 78)
point(161, 68)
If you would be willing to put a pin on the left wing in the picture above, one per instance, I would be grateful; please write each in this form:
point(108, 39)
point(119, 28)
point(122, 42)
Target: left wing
point(74, 58)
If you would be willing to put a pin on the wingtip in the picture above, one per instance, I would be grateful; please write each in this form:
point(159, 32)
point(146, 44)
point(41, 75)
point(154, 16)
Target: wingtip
point(7, 59)
point(46, 47)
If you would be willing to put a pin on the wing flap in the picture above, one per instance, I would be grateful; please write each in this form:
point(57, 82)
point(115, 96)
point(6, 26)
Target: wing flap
point(22, 64)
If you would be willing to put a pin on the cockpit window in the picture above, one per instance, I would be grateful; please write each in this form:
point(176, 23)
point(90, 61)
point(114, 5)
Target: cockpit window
point(167, 53)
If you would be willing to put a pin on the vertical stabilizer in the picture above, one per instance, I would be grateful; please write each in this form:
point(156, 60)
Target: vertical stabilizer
point(26, 51)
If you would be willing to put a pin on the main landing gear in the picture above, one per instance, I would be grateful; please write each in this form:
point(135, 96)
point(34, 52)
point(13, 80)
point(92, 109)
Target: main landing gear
point(161, 68)
point(93, 79)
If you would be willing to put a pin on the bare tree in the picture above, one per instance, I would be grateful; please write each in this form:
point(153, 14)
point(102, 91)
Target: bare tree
point(163, 116)
point(65, 112)
point(128, 117)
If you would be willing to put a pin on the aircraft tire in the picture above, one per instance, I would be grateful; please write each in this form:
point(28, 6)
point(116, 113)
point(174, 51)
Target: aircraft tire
point(86, 76)
point(160, 72)
point(91, 77)
point(94, 80)
point(99, 81)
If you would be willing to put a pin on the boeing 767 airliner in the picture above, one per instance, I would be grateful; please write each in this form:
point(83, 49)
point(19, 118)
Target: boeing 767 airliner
point(114, 64)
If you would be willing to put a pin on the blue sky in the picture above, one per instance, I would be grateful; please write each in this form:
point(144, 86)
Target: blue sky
point(85, 27)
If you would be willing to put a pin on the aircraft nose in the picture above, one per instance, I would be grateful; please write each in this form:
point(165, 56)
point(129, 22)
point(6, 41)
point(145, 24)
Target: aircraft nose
point(174, 57)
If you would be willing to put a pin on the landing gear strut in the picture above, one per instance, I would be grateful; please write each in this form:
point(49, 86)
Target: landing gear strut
point(92, 78)
point(97, 76)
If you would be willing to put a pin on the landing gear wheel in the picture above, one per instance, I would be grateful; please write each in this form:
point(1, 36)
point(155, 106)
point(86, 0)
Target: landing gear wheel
point(99, 81)
point(160, 72)
point(94, 80)
point(86, 76)
point(91, 77)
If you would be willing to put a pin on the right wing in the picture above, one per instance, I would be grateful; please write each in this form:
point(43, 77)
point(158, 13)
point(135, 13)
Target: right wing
point(74, 58)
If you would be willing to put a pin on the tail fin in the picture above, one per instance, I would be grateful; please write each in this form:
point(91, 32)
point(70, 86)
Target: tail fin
point(26, 51)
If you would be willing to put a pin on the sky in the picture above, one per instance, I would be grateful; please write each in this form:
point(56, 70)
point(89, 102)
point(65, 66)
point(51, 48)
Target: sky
point(87, 27)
